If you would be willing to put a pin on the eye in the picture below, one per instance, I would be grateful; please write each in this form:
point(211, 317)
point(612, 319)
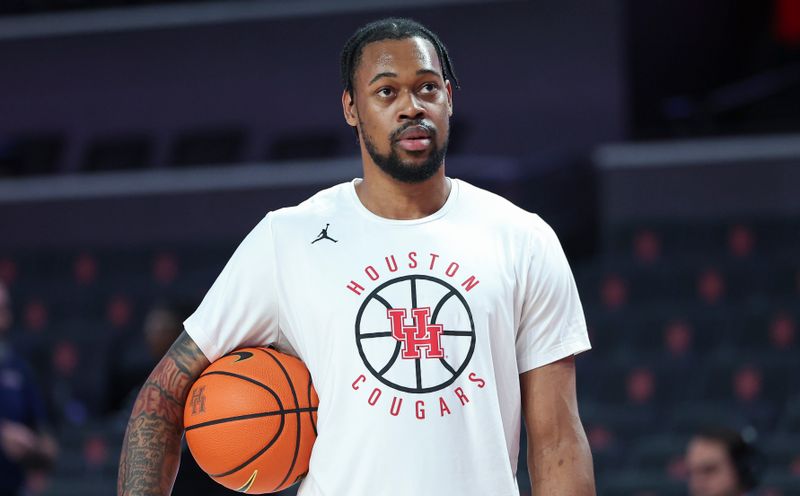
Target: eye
point(385, 92)
point(429, 87)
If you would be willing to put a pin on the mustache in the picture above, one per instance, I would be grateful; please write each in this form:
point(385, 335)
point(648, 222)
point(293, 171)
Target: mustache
point(430, 128)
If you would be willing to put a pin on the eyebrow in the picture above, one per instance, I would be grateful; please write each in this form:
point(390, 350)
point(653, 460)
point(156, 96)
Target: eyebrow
point(381, 75)
point(428, 71)
point(393, 74)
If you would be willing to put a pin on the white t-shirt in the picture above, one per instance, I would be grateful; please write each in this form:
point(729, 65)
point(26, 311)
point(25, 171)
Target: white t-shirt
point(415, 333)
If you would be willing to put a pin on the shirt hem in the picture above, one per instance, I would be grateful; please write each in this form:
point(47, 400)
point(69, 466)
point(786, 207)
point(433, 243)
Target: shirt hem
point(563, 350)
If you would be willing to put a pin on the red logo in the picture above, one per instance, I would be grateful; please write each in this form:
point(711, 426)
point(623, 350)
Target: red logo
point(198, 400)
point(420, 335)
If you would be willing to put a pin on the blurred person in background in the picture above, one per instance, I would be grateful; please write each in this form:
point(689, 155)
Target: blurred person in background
point(162, 324)
point(139, 353)
point(24, 448)
point(720, 462)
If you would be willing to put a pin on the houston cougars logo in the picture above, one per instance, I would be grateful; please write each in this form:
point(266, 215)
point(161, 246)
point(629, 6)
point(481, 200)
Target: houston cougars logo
point(415, 333)
point(420, 336)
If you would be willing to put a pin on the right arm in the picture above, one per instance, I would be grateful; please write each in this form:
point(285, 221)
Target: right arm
point(151, 449)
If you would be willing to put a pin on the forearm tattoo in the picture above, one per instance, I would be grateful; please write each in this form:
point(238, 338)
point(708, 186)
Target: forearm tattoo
point(151, 448)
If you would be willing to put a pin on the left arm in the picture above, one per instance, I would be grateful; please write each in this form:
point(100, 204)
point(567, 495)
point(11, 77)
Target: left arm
point(559, 459)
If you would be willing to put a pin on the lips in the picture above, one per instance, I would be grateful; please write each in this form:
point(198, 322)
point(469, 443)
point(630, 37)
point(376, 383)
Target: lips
point(414, 132)
point(414, 138)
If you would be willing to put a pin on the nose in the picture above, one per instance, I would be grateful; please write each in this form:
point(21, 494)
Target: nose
point(410, 108)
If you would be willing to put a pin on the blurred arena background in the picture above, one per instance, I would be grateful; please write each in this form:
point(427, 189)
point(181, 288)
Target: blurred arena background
point(141, 140)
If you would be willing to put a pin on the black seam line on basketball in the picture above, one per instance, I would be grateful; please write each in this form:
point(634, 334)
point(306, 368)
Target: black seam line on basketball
point(250, 416)
point(296, 404)
point(385, 334)
point(440, 305)
point(383, 302)
point(311, 414)
point(447, 366)
point(419, 372)
point(248, 379)
point(277, 434)
point(259, 453)
point(413, 292)
point(391, 360)
point(457, 333)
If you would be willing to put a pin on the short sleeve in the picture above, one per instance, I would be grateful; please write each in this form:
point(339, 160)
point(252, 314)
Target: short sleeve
point(552, 325)
point(241, 308)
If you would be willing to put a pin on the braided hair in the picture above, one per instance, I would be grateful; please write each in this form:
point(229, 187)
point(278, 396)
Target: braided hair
point(393, 28)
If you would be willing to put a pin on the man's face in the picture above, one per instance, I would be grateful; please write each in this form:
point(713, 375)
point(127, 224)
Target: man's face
point(402, 106)
point(711, 471)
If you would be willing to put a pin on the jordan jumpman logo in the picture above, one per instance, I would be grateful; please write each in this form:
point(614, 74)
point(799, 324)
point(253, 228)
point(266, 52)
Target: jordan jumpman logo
point(324, 235)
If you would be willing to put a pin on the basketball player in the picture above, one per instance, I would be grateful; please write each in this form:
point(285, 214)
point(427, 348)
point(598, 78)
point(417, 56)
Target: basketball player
point(720, 463)
point(465, 311)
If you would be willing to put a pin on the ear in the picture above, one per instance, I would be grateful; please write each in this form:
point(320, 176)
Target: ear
point(449, 89)
point(349, 109)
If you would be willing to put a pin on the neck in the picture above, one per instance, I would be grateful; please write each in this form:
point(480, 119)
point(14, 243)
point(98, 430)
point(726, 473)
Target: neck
point(392, 199)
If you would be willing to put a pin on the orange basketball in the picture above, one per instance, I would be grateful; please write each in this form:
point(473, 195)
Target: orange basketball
point(251, 420)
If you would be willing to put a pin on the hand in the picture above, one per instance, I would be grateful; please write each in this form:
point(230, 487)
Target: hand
point(17, 441)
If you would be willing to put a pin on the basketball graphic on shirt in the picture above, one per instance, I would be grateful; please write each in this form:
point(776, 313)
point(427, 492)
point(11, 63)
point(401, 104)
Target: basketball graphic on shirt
point(415, 333)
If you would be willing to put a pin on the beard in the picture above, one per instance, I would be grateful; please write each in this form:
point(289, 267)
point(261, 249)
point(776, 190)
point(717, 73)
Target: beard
point(402, 171)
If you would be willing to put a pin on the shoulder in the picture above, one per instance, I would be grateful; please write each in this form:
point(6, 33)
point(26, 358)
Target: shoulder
point(324, 203)
point(492, 208)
